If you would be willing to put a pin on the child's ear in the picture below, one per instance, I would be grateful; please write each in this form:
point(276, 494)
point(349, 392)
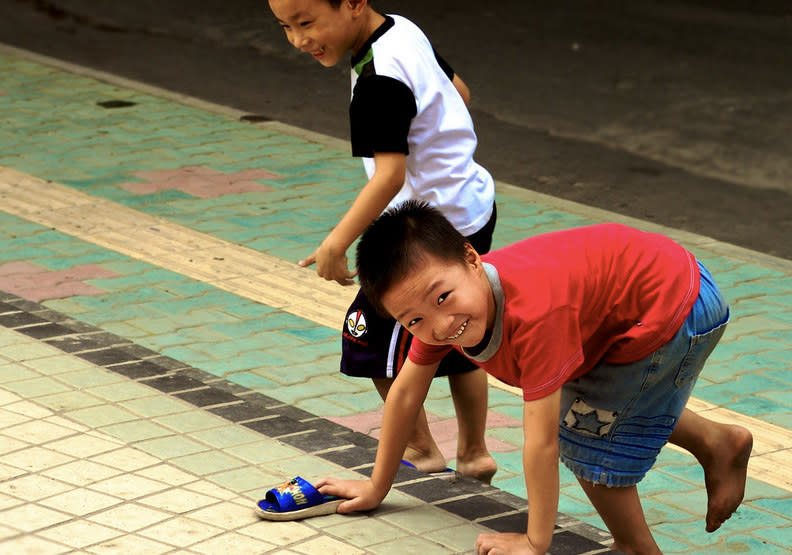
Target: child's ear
point(357, 6)
point(472, 257)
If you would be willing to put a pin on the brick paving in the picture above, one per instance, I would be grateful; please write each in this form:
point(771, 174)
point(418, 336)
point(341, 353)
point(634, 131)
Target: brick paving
point(145, 322)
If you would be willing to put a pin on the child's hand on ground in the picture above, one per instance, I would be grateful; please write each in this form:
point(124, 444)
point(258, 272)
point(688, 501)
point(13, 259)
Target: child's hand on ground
point(361, 494)
point(332, 267)
point(502, 544)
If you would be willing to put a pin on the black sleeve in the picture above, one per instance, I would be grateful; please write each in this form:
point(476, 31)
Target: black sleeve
point(380, 114)
point(445, 66)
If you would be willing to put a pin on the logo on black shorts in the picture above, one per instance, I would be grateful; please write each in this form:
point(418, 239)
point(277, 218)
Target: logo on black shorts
point(356, 323)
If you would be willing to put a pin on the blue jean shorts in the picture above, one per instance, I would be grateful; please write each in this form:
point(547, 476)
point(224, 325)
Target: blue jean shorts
point(616, 418)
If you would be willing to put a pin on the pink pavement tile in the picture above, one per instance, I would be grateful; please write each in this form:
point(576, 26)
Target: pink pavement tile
point(443, 430)
point(37, 284)
point(363, 422)
point(199, 181)
point(17, 267)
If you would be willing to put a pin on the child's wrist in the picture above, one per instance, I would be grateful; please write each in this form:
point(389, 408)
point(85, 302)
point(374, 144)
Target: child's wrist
point(379, 490)
point(333, 247)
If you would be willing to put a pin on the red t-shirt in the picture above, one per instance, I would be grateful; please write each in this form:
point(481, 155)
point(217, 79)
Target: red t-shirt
point(569, 299)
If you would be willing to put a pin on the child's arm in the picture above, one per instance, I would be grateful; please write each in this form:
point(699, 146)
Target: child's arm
point(540, 464)
point(387, 181)
point(404, 401)
point(462, 89)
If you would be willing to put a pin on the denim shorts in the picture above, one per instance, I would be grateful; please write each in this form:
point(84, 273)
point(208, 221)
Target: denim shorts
point(616, 418)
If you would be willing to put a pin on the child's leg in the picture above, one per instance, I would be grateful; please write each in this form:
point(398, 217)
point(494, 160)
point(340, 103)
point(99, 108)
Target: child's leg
point(422, 450)
point(723, 451)
point(620, 509)
point(470, 394)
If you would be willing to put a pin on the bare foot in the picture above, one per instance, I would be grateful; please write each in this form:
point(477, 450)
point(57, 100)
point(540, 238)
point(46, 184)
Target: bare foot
point(425, 462)
point(725, 474)
point(482, 468)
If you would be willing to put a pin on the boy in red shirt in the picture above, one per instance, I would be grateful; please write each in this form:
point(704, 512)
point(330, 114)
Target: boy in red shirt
point(604, 328)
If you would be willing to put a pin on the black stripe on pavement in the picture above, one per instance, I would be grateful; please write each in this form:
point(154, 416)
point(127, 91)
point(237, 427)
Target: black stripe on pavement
point(466, 497)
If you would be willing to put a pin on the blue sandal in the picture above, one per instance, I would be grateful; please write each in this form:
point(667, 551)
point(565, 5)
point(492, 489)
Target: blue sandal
point(294, 500)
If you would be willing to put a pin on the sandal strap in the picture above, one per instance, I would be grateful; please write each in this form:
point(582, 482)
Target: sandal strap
point(295, 494)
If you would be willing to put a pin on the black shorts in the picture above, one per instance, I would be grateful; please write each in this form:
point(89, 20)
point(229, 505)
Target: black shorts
point(373, 346)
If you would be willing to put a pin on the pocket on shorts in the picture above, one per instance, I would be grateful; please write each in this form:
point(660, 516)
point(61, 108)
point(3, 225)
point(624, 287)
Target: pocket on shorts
point(701, 346)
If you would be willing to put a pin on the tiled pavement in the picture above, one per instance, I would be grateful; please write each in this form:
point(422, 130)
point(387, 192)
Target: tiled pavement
point(156, 336)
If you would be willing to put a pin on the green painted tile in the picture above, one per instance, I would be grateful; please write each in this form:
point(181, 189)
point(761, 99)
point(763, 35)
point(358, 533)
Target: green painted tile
point(36, 387)
point(745, 543)
point(670, 544)
point(60, 364)
point(104, 415)
point(156, 405)
point(183, 353)
point(515, 484)
point(739, 387)
point(12, 372)
point(756, 406)
point(781, 335)
point(442, 409)
point(244, 327)
point(509, 435)
point(356, 403)
point(510, 462)
point(170, 447)
point(781, 504)
point(122, 329)
point(513, 410)
point(191, 421)
point(124, 391)
point(69, 400)
point(315, 387)
point(748, 290)
point(373, 532)
point(136, 430)
point(246, 379)
point(726, 350)
point(748, 517)
point(783, 419)
point(152, 326)
point(264, 451)
point(253, 481)
point(319, 406)
point(83, 379)
point(205, 463)
point(285, 374)
point(419, 520)
point(230, 436)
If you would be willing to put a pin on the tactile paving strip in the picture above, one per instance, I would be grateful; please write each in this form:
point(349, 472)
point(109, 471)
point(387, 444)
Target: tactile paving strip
point(467, 498)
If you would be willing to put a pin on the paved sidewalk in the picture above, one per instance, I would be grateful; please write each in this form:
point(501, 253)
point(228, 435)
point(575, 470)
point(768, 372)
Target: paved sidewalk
point(156, 338)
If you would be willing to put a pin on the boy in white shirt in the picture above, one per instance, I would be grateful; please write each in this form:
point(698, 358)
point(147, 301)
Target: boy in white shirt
point(410, 124)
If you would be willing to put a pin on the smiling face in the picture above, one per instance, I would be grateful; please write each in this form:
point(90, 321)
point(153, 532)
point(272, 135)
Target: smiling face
point(444, 302)
point(325, 32)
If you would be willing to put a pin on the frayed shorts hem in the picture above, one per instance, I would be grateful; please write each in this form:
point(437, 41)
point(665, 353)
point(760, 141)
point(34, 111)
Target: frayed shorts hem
point(586, 473)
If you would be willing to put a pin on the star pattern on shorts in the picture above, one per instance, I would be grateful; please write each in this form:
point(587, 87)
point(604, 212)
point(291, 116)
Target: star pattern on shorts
point(589, 422)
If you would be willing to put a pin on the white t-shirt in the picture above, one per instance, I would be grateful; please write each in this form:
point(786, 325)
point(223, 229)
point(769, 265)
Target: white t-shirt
point(403, 100)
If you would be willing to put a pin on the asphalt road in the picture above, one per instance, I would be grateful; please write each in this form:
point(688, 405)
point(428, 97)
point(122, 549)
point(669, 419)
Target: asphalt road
point(675, 111)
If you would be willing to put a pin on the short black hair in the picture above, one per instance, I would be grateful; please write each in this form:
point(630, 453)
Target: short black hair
point(398, 241)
